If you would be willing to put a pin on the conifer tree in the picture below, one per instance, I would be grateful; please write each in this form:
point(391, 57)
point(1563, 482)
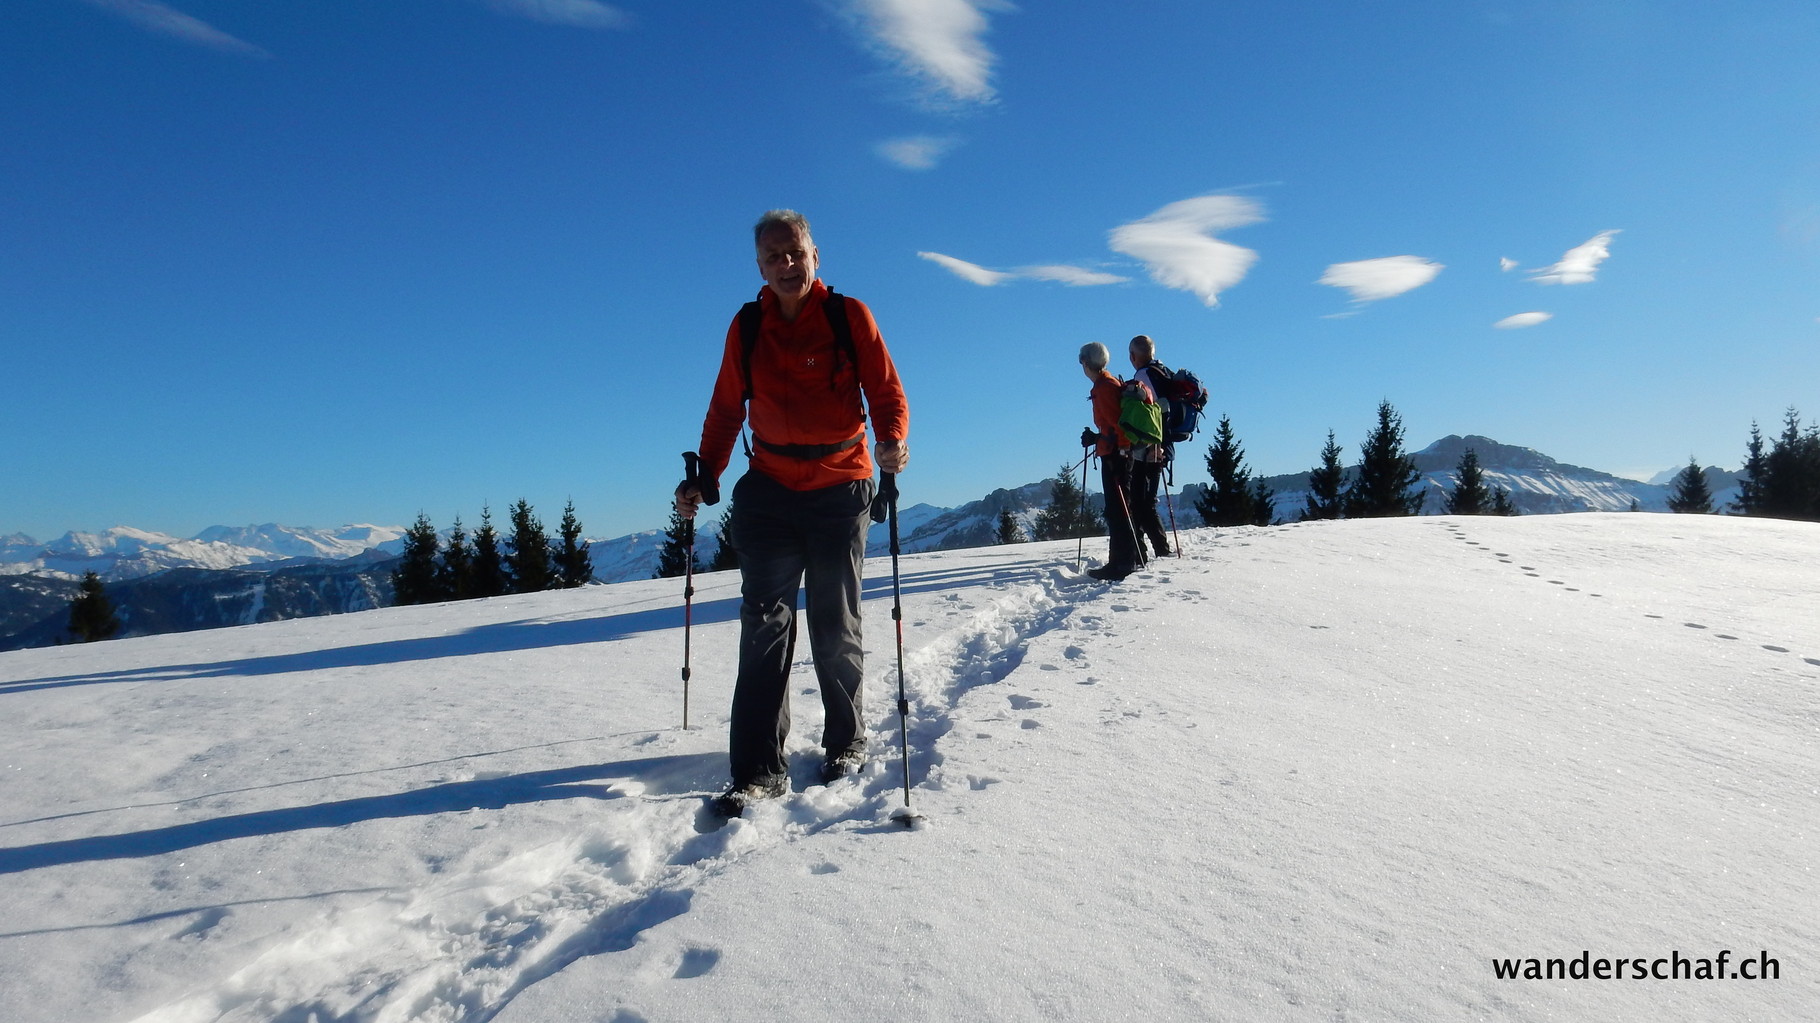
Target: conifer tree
point(1386, 483)
point(1689, 494)
point(1325, 485)
point(1067, 515)
point(1229, 500)
point(1791, 483)
point(678, 554)
point(726, 556)
point(414, 580)
point(490, 578)
point(92, 614)
point(455, 571)
point(1500, 503)
point(1469, 496)
point(528, 551)
point(1756, 469)
point(573, 565)
point(1008, 530)
point(1263, 504)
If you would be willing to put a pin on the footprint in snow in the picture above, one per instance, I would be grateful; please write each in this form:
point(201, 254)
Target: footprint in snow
point(697, 962)
point(1025, 703)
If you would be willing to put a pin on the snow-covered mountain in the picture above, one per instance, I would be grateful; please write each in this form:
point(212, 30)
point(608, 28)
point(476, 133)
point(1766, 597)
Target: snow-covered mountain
point(1538, 484)
point(123, 553)
point(1328, 771)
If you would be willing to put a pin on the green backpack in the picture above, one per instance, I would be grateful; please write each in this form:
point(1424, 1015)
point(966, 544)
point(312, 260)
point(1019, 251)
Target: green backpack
point(1140, 416)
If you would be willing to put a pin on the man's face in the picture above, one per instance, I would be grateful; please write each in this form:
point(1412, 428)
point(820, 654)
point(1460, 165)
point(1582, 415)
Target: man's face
point(787, 260)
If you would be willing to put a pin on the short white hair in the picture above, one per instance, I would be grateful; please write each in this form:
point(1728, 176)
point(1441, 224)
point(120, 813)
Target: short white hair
point(1143, 344)
point(1094, 355)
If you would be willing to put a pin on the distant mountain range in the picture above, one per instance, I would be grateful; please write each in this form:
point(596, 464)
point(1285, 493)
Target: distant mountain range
point(238, 576)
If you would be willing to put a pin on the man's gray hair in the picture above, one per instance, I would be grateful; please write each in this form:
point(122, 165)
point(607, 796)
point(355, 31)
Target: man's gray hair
point(1094, 356)
point(774, 218)
point(1144, 346)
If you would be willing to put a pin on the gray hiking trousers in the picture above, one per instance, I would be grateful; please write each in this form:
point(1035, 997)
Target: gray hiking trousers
point(787, 538)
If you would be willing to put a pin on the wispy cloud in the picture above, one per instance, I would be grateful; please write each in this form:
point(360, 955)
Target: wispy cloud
point(1507, 264)
point(1371, 279)
point(938, 41)
point(1580, 264)
point(967, 271)
point(918, 152)
point(1073, 276)
point(156, 17)
point(1522, 320)
point(577, 13)
point(1177, 245)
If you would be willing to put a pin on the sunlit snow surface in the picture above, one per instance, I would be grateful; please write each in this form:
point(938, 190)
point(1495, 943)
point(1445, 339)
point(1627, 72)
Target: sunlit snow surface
point(1321, 772)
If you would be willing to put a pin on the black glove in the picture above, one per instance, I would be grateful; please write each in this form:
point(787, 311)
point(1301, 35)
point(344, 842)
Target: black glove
point(1089, 438)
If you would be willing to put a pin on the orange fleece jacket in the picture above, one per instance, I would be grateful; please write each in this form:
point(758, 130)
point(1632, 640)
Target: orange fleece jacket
point(1107, 392)
point(796, 399)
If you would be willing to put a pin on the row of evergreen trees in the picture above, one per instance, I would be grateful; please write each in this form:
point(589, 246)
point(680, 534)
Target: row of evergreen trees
point(524, 561)
point(1780, 482)
point(678, 555)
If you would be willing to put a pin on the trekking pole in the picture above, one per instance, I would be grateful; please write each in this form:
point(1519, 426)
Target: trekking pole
point(888, 491)
point(1169, 503)
point(1079, 541)
point(691, 477)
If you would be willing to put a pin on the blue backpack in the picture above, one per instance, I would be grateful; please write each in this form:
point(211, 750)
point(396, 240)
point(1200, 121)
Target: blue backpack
point(1183, 399)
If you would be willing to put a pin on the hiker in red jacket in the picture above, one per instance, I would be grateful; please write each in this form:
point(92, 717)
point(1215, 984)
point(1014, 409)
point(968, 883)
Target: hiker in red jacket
point(1112, 447)
point(801, 510)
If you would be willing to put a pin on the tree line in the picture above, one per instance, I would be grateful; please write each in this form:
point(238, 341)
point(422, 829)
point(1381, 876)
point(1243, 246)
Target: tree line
point(490, 564)
point(1779, 481)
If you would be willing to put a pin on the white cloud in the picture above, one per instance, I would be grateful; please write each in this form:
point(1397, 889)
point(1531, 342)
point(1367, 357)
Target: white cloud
point(1177, 246)
point(1580, 264)
point(939, 41)
point(1507, 264)
point(967, 271)
point(918, 152)
point(1073, 276)
point(1372, 279)
point(1522, 320)
point(578, 13)
point(156, 17)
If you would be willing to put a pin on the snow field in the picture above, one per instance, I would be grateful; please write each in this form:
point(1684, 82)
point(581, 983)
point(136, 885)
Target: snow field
point(1324, 771)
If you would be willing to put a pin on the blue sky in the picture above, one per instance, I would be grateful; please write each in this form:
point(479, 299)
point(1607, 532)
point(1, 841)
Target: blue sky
point(320, 263)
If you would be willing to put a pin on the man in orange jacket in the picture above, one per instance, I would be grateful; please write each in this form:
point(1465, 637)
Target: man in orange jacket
point(801, 510)
point(1114, 451)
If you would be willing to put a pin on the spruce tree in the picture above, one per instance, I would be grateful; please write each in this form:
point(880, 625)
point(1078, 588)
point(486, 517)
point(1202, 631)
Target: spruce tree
point(726, 556)
point(1469, 496)
point(1386, 483)
point(1325, 485)
point(92, 614)
point(678, 554)
point(1756, 470)
point(1500, 503)
point(455, 570)
point(1229, 500)
point(414, 580)
point(1791, 479)
point(573, 565)
point(1689, 494)
point(528, 551)
point(1263, 504)
point(1067, 515)
point(490, 578)
point(1008, 529)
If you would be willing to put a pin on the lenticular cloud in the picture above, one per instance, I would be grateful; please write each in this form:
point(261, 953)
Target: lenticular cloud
point(1371, 279)
point(1177, 245)
point(1522, 320)
point(1580, 264)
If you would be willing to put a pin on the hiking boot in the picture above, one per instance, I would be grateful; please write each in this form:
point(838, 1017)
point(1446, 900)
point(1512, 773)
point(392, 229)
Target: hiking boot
point(734, 801)
point(837, 767)
point(1108, 573)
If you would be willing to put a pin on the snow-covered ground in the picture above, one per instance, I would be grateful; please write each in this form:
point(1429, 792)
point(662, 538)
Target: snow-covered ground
point(1316, 772)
